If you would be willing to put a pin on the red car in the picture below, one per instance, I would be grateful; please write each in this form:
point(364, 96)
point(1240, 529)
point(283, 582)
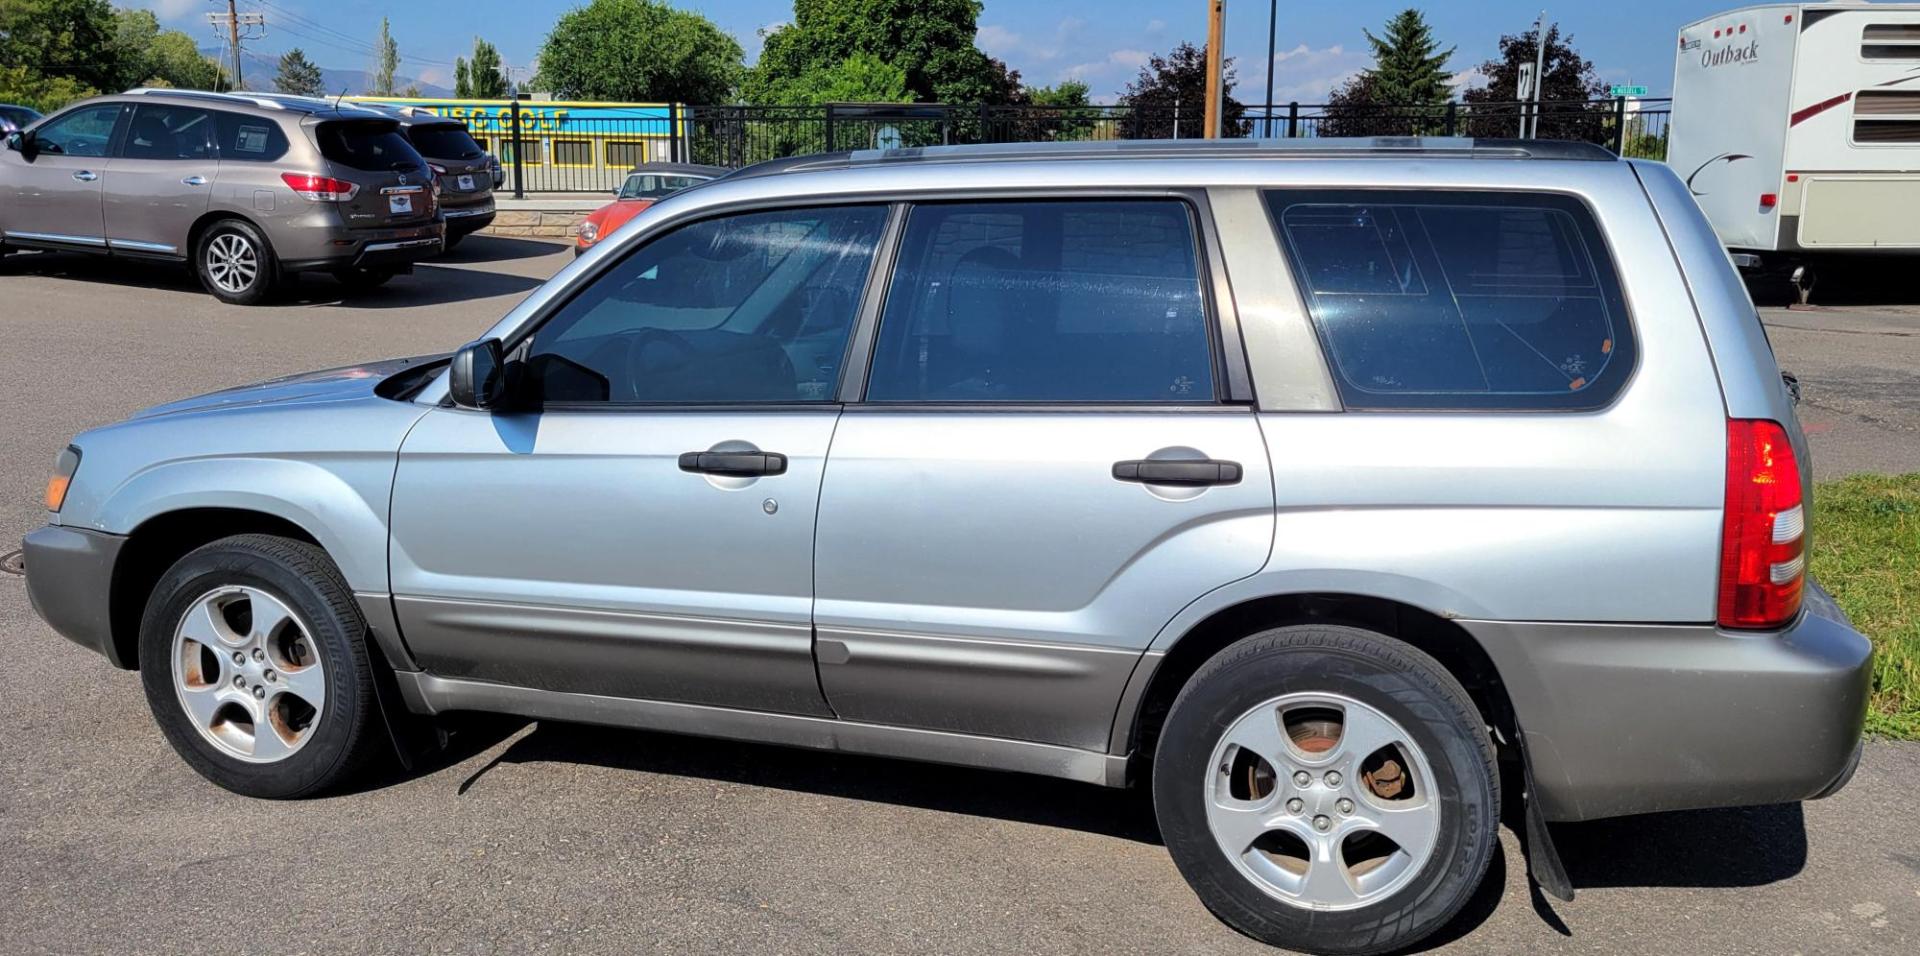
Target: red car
point(646, 184)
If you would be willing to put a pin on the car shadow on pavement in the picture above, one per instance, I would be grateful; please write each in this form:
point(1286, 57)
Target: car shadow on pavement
point(430, 284)
point(484, 248)
point(1742, 846)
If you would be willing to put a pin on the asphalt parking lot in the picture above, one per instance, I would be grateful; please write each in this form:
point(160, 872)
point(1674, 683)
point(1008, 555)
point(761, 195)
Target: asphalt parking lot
point(550, 837)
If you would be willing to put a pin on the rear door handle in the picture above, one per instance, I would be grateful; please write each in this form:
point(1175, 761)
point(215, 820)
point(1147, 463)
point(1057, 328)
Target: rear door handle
point(195, 181)
point(737, 463)
point(1151, 471)
point(86, 175)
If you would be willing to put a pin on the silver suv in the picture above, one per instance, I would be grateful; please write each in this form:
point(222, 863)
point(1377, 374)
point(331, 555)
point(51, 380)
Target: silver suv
point(1331, 491)
point(246, 189)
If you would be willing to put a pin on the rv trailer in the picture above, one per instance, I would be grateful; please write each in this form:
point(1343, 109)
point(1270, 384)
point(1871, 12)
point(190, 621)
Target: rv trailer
point(1797, 128)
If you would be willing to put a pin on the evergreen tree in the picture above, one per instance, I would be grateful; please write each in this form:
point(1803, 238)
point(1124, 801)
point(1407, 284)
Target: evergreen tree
point(298, 75)
point(1409, 68)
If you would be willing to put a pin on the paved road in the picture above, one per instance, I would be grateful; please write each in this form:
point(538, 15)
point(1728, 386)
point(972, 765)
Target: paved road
point(548, 837)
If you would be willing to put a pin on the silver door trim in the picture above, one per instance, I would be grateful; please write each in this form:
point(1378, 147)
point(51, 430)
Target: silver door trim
point(56, 237)
point(430, 694)
point(138, 246)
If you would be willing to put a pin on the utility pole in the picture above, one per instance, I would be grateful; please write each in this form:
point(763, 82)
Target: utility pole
point(234, 21)
point(1216, 40)
point(1539, 70)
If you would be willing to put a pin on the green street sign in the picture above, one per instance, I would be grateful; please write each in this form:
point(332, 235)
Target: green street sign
point(1626, 91)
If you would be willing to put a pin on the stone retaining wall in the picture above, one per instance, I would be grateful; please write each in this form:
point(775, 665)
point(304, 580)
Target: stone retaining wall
point(552, 223)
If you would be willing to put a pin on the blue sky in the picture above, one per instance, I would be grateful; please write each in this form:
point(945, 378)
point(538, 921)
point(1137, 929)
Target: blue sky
point(1102, 42)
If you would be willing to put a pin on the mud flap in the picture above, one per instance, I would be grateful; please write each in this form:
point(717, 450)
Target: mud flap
point(412, 736)
point(1543, 861)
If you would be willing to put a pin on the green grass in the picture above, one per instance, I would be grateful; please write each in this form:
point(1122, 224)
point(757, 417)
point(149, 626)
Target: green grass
point(1866, 551)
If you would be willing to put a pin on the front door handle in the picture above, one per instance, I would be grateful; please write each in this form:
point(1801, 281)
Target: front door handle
point(195, 181)
point(86, 175)
point(737, 463)
point(1153, 471)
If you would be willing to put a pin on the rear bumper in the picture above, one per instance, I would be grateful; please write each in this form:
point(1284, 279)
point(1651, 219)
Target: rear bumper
point(69, 578)
point(366, 248)
point(462, 220)
point(1621, 719)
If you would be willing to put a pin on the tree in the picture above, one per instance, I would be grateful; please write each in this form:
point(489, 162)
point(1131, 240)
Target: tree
point(1176, 85)
point(483, 77)
point(386, 59)
point(298, 75)
point(145, 55)
point(930, 41)
point(54, 40)
point(1403, 94)
point(1571, 86)
point(639, 50)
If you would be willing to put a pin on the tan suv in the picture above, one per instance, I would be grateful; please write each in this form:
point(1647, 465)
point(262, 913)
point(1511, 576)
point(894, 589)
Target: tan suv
point(246, 189)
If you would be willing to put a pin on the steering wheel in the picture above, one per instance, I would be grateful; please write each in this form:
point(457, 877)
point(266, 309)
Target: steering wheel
point(640, 367)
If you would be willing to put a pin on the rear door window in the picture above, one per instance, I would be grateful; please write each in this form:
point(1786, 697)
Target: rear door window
point(1079, 301)
point(1459, 299)
point(373, 146)
point(164, 131)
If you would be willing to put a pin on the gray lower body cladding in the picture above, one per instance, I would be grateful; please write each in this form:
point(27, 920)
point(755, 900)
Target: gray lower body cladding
point(1623, 719)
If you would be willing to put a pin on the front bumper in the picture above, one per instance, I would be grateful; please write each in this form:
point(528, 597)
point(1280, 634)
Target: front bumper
point(1621, 718)
point(69, 579)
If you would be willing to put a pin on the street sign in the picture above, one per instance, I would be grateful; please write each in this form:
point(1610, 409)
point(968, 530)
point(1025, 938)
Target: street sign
point(1626, 91)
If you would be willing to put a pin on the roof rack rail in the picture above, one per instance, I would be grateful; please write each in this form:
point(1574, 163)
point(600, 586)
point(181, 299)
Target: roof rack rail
point(261, 101)
point(1388, 147)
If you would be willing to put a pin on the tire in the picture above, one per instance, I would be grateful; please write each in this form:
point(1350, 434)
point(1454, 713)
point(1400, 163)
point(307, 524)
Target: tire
point(1448, 799)
point(325, 743)
point(236, 244)
point(363, 280)
point(453, 239)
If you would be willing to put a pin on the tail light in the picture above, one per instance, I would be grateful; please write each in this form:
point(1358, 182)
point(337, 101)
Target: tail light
point(320, 188)
point(1763, 555)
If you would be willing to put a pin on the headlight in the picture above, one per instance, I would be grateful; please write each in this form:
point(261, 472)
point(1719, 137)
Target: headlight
point(63, 469)
point(589, 231)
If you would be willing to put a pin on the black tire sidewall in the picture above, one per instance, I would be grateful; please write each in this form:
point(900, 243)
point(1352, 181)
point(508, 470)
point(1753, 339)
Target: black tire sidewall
point(1402, 683)
point(263, 283)
point(339, 638)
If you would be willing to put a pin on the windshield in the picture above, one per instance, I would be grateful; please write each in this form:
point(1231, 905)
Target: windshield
point(444, 141)
point(655, 185)
point(19, 116)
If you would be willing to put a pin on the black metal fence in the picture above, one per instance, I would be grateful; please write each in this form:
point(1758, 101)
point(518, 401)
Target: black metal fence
point(593, 154)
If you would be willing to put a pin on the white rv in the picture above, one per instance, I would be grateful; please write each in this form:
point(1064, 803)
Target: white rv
point(1797, 127)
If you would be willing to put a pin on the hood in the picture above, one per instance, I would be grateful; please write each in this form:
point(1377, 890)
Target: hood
point(327, 385)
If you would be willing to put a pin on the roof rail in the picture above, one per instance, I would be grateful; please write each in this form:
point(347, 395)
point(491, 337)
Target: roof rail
point(1379, 147)
point(261, 101)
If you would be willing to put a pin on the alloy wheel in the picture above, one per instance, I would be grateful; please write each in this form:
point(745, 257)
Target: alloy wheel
point(248, 673)
point(232, 262)
point(1322, 801)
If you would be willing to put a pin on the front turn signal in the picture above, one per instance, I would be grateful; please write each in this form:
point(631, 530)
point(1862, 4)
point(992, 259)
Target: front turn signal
point(62, 477)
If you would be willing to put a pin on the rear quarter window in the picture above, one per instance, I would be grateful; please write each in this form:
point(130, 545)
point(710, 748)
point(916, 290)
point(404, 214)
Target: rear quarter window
point(1459, 300)
point(249, 138)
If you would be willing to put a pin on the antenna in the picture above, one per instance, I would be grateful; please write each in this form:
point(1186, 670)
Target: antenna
point(342, 96)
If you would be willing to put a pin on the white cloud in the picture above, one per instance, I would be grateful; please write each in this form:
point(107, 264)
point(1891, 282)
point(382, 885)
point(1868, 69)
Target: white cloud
point(1303, 74)
point(997, 41)
point(170, 10)
point(1119, 62)
point(1471, 79)
point(1156, 27)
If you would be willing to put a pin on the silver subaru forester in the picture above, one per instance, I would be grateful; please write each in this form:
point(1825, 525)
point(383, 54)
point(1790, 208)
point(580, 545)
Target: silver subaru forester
point(1329, 489)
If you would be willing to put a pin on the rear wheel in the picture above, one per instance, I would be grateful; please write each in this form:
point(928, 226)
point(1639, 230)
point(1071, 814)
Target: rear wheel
point(235, 263)
point(255, 663)
point(1327, 789)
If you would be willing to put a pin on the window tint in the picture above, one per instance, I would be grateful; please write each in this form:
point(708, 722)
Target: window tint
point(83, 132)
point(250, 139)
point(444, 141)
point(373, 146)
point(748, 308)
point(159, 131)
point(1459, 300)
point(1070, 301)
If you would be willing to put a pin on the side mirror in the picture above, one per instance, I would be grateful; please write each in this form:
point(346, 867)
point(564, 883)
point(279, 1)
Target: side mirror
point(477, 377)
point(17, 141)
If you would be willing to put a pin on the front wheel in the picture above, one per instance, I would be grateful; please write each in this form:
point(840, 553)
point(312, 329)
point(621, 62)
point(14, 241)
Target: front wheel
point(255, 663)
point(235, 263)
point(1327, 789)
